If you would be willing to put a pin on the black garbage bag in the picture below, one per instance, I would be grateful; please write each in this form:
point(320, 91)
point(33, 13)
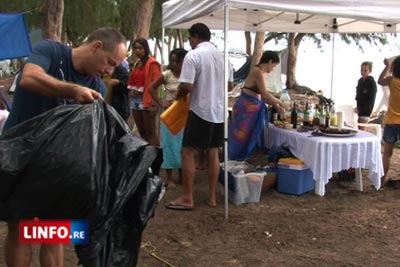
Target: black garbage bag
point(82, 162)
point(277, 152)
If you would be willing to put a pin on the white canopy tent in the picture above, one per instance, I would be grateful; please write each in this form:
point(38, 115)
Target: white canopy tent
point(308, 16)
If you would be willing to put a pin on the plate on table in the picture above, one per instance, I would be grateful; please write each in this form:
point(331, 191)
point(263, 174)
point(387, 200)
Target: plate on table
point(307, 128)
point(335, 132)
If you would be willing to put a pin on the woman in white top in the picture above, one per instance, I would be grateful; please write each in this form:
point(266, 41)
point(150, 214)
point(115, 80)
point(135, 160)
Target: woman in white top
point(170, 144)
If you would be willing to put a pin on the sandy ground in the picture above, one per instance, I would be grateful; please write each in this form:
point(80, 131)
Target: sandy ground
point(344, 228)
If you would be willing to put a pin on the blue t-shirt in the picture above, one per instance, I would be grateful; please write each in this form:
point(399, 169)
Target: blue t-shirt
point(56, 60)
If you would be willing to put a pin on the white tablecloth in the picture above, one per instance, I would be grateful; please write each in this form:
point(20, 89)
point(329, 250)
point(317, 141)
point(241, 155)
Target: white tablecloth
point(325, 155)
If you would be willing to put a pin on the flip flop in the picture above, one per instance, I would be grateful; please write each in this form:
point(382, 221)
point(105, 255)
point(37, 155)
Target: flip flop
point(178, 206)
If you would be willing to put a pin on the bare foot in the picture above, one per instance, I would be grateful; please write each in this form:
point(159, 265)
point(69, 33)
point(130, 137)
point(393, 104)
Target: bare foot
point(212, 203)
point(383, 181)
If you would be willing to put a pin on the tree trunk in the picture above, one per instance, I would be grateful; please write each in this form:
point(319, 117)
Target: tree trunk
point(293, 47)
point(155, 48)
point(143, 19)
point(175, 39)
point(258, 47)
point(52, 12)
point(71, 36)
point(170, 37)
point(160, 48)
point(180, 38)
point(247, 35)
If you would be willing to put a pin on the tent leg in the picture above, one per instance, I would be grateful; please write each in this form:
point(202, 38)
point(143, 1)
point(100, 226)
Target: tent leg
point(226, 75)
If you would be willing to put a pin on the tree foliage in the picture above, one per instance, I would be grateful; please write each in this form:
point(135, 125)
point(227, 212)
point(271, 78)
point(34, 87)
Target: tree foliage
point(82, 17)
point(31, 9)
point(294, 42)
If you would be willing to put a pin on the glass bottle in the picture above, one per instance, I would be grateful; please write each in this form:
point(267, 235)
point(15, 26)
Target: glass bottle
point(333, 116)
point(306, 116)
point(327, 117)
point(322, 117)
point(285, 99)
point(293, 116)
point(316, 116)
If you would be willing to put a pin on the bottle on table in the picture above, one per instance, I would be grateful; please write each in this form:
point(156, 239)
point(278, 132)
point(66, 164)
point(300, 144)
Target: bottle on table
point(273, 115)
point(293, 116)
point(333, 116)
point(327, 117)
point(321, 117)
point(306, 116)
point(285, 98)
point(311, 112)
point(315, 121)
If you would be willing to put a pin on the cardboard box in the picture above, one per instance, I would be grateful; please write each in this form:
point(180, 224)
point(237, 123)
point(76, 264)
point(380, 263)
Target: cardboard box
point(295, 181)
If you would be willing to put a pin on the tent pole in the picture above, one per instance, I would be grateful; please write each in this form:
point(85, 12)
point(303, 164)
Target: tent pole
point(226, 68)
point(162, 46)
point(333, 60)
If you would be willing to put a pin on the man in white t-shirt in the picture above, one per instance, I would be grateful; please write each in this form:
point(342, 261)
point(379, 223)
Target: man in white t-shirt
point(202, 77)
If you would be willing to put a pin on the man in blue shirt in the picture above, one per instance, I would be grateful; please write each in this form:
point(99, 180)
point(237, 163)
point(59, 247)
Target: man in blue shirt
point(55, 75)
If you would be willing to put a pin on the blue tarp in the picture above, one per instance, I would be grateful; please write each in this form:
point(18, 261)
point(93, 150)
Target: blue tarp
point(14, 38)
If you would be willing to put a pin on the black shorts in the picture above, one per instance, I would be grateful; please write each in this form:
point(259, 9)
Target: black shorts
point(202, 134)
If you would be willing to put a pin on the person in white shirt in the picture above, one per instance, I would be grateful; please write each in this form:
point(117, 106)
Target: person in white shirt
point(202, 77)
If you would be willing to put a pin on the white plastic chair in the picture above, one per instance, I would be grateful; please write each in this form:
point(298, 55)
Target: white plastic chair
point(373, 128)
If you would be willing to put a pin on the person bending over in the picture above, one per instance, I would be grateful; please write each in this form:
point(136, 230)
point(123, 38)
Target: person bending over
point(55, 75)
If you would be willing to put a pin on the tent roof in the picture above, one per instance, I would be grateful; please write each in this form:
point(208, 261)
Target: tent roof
point(309, 16)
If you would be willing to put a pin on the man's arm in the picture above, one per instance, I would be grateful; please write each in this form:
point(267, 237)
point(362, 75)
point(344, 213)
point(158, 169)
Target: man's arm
point(183, 90)
point(153, 90)
point(383, 79)
point(230, 86)
point(36, 80)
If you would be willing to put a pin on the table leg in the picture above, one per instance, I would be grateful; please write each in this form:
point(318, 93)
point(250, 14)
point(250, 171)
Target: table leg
point(318, 189)
point(359, 183)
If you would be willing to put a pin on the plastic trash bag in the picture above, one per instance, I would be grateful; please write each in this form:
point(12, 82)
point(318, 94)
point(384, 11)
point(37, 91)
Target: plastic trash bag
point(82, 162)
point(277, 152)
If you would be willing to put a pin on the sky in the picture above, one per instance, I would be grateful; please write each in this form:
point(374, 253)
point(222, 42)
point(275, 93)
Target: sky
point(314, 65)
point(335, 67)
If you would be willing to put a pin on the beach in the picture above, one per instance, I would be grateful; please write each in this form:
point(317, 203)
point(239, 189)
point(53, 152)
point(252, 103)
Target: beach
point(346, 227)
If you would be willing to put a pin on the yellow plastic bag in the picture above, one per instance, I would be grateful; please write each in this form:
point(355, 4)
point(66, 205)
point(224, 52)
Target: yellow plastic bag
point(175, 116)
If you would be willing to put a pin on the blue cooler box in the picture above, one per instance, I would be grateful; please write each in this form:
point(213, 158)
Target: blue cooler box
point(295, 181)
